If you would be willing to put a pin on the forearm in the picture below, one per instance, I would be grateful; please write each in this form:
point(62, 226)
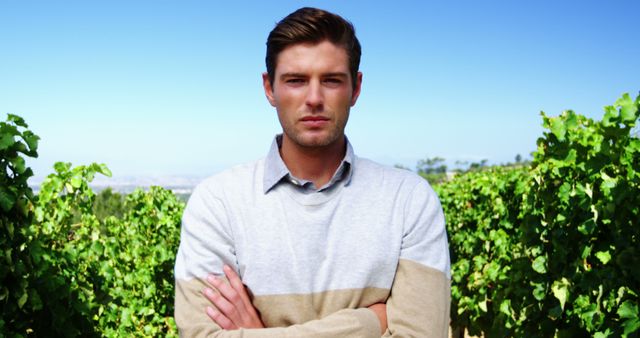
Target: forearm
point(192, 320)
point(419, 302)
point(344, 323)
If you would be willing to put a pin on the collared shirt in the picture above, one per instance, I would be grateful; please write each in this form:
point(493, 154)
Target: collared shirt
point(276, 171)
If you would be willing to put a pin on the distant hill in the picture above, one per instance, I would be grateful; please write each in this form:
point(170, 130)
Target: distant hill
point(182, 186)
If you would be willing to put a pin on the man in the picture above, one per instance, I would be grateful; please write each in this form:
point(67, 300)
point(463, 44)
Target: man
point(324, 243)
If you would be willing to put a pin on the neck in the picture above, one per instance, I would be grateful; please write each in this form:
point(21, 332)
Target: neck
point(315, 164)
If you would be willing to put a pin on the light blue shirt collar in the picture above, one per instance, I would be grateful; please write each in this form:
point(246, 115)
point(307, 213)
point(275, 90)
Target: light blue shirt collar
point(276, 171)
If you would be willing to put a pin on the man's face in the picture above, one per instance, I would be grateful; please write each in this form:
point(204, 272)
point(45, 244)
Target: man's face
point(312, 91)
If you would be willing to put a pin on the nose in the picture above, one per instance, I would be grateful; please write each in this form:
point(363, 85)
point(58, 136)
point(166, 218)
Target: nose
point(315, 99)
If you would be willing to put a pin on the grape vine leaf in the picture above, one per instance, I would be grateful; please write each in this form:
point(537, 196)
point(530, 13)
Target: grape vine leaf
point(627, 108)
point(560, 290)
point(7, 199)
point(603, 256)
point(558, 128)
point(17, 120)
point(6, 140)
point(629, 311)
point(540, 265)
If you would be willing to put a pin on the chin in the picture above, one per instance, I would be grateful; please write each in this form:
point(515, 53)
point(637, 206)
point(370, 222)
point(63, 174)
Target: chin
point(310, 139)
point(320, 142)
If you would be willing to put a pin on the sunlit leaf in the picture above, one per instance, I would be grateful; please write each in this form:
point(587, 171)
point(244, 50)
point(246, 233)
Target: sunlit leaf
point(505, 307)
point(608, 182)
point(539, 292)
point(628, 108)
point(483, 305)
point(76, 181)
point(628, 310)
point(540, 264)
point(603, 256)
point(558, 128)
point(560, 290)
point(61, 167)
point(105, 170)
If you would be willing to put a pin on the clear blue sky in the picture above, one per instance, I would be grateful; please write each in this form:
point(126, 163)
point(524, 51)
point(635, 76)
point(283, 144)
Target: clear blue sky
point(174, 87)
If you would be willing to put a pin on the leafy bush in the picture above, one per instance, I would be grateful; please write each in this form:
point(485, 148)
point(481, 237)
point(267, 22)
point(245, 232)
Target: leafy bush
point(580, 222)
point(18, 299)
point(482, 212)
point(65, 272)
point(552, 250)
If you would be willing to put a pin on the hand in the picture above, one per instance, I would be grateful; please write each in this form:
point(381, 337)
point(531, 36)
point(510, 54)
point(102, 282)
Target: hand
point(380, 309)
point(234, 309)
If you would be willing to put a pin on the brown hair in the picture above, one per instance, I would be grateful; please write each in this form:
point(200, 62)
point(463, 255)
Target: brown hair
point(313, 25)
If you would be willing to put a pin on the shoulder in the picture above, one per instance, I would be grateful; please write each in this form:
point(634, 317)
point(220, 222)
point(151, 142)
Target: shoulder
point(407, 189)
point(371, 171)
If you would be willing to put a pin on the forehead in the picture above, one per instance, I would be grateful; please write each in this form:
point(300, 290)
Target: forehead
point(312, 57)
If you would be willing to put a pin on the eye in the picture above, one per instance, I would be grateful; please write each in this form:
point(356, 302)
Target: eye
point(295, 81)
point(333, 81)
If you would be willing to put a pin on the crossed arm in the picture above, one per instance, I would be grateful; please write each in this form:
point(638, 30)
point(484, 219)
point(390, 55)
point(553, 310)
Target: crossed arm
point(233, 309)
point(417, 303)
point(416, 307)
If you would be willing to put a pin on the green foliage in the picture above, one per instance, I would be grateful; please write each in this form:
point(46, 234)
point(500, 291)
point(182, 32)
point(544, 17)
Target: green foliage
point(552, 249)
point(69, 271)
point(482, 214)
point(582, 213)
point(15, 141)
point(122, 267)
point(108, 203)
point(18, 299)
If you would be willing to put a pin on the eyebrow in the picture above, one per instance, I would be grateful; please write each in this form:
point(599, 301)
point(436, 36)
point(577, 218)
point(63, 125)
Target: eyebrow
point(293, 74)
point(338, 74)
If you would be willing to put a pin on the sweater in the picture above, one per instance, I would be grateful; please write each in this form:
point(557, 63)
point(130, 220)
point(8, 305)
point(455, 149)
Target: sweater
point(313, 262)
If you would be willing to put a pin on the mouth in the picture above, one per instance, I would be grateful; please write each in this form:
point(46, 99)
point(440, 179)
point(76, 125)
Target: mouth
point(314, 118)
point(314, 121)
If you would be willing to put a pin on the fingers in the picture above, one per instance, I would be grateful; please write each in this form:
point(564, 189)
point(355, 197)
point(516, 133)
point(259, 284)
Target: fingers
point(220, 319)
point(227, 291)
point(238, 286)
point(227, 300)
point(233, 309)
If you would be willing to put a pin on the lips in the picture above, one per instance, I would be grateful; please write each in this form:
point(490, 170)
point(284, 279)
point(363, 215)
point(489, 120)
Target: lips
point(314, 121)
point(314, 118)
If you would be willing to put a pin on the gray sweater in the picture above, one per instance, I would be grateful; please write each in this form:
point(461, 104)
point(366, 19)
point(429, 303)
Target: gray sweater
point(314, 261)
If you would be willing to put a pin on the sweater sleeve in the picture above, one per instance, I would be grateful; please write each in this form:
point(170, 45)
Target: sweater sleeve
point(419, 302)
point(205, 246)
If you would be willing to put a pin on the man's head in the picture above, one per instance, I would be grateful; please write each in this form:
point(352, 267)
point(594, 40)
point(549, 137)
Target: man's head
point(312, 78)
point(312, 25)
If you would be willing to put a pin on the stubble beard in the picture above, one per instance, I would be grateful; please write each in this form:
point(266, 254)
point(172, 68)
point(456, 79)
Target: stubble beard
point(333, 135)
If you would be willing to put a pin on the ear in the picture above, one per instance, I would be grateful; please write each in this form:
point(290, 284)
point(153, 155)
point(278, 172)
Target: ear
point(268, 89)
point(356, 89)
